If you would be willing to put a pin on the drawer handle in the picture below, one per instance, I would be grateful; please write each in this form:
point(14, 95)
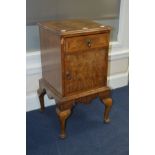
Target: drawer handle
point(88, 42)
point(68, 75)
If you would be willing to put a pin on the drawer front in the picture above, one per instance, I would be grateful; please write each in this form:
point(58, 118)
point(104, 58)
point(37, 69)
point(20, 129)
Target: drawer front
point(86, 42)
point(85, 70)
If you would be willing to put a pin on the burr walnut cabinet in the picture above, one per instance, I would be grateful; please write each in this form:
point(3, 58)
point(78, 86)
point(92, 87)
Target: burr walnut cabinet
point(74, 57)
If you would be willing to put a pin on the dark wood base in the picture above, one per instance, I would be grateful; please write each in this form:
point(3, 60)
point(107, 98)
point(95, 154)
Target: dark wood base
point(64, 104)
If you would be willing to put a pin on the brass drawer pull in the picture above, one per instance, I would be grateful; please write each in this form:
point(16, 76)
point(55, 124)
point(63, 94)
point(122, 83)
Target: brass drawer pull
point(88, 42)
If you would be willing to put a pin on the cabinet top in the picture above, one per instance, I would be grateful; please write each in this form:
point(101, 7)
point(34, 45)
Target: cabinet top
point(64, 27)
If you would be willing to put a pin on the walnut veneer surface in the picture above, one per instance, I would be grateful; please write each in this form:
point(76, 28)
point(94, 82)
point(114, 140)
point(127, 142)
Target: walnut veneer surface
point(74, 57)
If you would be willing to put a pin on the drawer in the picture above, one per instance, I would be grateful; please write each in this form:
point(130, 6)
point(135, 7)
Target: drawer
point(86, 42)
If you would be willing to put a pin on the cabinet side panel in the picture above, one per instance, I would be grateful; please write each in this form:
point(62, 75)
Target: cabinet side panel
point(51, 58)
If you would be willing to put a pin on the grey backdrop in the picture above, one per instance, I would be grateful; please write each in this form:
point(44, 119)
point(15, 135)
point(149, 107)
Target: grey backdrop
point(102, 11)
point(38, 10)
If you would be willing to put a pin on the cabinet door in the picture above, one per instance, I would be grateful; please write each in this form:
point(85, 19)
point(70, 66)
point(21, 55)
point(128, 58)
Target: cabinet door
point(85, 70)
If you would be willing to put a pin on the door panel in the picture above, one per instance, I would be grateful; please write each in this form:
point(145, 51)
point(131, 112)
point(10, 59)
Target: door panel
point(85, 70)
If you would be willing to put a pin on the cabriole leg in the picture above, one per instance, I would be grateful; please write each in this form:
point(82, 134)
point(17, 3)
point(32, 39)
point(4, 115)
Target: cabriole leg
point(108, 105)
point(63, 115)
point(41, 94)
